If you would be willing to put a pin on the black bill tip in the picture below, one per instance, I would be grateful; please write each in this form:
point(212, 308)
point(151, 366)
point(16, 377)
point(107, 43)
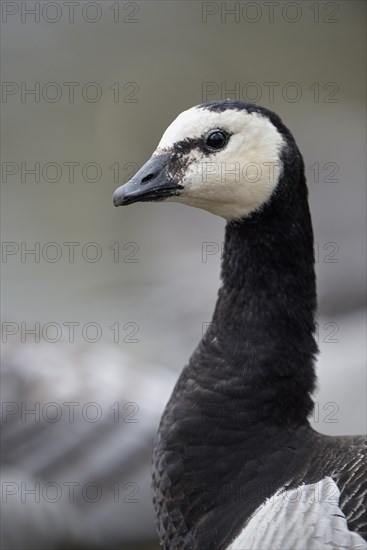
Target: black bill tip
point(122, 196)
point(150, 183)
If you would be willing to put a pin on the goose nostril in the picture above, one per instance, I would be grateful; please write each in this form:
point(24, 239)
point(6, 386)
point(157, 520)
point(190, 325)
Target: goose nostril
point(148, 178)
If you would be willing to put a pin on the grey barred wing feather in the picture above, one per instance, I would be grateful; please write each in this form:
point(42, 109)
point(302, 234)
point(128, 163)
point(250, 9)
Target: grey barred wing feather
point(307, 517)
point(352, 482)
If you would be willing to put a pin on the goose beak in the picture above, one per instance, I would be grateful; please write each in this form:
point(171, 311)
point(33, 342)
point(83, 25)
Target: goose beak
point(150, 183)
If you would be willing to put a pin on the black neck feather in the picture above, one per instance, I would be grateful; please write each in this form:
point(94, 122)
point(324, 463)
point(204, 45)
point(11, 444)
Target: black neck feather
point(264, 318)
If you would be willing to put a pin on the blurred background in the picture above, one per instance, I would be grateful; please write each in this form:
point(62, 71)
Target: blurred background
point(101, 307)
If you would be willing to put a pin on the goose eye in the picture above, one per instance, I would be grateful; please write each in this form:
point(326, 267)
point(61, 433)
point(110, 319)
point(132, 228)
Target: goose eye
point(216, 140)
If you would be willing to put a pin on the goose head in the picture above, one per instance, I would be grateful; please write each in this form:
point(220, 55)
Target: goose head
point(225, 157)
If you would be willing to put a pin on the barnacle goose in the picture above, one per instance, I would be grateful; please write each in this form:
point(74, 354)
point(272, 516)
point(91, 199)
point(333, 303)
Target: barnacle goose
point(236, 464)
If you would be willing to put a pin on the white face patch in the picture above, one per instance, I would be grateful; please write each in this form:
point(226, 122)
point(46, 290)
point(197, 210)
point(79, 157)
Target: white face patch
point(236, 180)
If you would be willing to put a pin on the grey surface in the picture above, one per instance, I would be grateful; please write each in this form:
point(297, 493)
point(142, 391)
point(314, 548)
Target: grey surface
point(170, 292)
